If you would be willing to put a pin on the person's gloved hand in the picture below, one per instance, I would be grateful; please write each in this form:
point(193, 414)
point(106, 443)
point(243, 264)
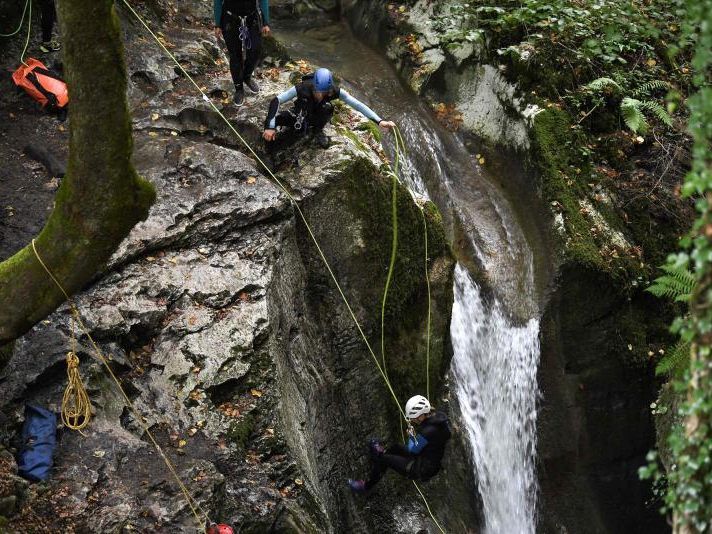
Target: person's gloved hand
point(387, 125)
point(266, 30)
point(269, 135)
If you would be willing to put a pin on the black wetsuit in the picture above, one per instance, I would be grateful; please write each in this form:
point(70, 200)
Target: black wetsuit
point(230, 16)
point(421, 459)
point(48, 16)
point(307, 112)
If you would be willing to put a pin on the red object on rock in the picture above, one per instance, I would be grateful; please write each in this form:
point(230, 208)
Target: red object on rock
point(43, 85)
point(219, 529)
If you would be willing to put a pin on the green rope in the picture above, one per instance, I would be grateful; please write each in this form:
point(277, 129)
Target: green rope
point(19, 26)
point(427, 330)
point(27, 40)
point(392, 263)
point(284, 189)
point(302, 217)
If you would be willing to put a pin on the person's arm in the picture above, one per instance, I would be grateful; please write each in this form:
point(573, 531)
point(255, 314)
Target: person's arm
point(359, 106)
point(264, 7)
point(286, 96)
point(217, 12)
point(416, 444)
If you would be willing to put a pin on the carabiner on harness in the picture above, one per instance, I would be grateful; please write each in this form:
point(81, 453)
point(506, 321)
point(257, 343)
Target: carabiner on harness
point(300, 120)
point(244, 34)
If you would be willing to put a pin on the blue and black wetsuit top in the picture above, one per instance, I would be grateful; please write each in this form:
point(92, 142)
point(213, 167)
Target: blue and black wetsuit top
point(428, 445)
point(308, 105)
point(241, 8)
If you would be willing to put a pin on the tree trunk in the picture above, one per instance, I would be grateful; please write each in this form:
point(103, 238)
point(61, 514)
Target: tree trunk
point(101, 197)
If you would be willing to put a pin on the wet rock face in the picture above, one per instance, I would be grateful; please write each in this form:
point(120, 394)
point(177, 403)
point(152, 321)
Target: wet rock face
point(594, 424)
point(486, 104)
point(229, 337)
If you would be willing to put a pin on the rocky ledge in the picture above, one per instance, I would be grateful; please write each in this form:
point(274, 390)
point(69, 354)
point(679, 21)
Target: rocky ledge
point(225, 329)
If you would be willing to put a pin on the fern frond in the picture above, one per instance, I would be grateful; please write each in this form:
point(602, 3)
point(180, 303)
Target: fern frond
point(677, 284)
point(683, 275)
point(648, 87)
point(633, 116)
point(657, 110)
point(670, 288)
point(675, 361)
point(600, 83)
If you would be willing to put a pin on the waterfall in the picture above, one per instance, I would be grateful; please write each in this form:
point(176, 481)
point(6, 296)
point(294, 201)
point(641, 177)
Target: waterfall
point(494, 370)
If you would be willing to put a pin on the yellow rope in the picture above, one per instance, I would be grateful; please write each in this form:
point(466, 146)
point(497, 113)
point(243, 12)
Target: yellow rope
point(399, 152)
point(286, 192)
point(19, 26)
point(194, 505)
point(307, 226)
point(27, 40)
point(76, 406)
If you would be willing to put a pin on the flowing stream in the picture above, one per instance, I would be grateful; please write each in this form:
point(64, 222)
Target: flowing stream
point(495, 356)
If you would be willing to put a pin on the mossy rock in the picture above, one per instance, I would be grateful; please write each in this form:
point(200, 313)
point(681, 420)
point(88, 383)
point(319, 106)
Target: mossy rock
point(6, 351)
point(239, 432)
point(369, 198)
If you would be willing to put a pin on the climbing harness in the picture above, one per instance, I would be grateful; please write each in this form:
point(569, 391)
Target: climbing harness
point(300, 120)
point(244, 36)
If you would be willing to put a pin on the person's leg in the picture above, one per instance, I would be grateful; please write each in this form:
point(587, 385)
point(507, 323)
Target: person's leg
point(319, 119)
point(396, 458)
point(252, 55)
point(231, 33)
point(322, 116)
point(48, 17)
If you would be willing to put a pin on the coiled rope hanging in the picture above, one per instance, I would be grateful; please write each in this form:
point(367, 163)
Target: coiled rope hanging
point(76, 406)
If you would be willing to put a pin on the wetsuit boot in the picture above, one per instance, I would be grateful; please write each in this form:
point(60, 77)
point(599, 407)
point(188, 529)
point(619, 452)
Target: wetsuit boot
point(357, 486)
point(252, 85)
point(321, 139)
point(239, 95)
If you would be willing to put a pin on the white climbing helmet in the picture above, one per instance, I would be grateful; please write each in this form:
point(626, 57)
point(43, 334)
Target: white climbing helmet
point(417, 406)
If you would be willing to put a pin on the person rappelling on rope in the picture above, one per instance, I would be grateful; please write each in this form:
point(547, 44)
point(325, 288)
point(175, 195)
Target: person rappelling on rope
point(242, 23)
point(313, 108)
point(421, 459)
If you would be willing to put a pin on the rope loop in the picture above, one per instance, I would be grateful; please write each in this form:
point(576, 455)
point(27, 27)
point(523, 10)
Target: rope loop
point(76, 405)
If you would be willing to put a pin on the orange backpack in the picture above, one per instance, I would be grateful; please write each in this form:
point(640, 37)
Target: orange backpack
point(42, 84)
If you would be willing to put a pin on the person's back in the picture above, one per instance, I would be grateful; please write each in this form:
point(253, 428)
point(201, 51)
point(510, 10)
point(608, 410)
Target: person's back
point(436, 431)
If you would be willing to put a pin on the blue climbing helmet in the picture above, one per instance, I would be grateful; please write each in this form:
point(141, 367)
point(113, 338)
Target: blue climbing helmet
point(323, 80)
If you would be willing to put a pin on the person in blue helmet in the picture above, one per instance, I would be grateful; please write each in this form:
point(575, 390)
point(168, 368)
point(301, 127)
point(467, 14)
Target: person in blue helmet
point(313, 108)
point(242, 24)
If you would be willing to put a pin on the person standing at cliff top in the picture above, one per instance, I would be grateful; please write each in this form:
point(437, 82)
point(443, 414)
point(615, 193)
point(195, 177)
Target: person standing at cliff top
point(313, 109)
point(242, 23)
point(48, 16)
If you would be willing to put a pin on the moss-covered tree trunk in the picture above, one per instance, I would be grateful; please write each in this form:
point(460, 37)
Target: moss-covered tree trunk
point(101, 197)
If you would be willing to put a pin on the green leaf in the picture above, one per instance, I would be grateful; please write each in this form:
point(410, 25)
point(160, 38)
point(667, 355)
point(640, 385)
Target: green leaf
point(633, 116)
point(601, 83)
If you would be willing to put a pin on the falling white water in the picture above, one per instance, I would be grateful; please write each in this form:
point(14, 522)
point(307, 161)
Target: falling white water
point(494, 369)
